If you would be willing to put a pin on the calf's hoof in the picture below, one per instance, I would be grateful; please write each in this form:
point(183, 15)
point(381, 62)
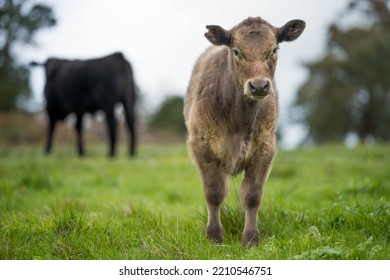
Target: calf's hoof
point(214, 233)
point(250, 238)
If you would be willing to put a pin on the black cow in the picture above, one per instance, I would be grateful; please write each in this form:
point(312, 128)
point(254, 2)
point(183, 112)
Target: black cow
point(81, 86)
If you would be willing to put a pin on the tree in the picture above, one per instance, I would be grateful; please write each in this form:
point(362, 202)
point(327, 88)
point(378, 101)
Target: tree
point(169, 117)
point(348, 90)
point(19, 23)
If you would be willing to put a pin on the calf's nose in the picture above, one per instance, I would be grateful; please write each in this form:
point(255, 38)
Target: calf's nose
point(259, 87)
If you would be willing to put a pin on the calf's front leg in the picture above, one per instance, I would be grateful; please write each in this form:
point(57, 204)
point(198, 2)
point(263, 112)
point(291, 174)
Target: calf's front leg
point(251, 193)
point(215, 190)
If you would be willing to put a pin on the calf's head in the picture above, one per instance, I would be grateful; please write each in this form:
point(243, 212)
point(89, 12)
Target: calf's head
point(253, 46)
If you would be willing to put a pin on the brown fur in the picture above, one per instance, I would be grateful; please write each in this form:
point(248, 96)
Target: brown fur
point(231, 111)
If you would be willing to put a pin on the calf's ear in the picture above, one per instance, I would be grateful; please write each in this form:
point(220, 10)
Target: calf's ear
point(291, 30)
point(217, 35)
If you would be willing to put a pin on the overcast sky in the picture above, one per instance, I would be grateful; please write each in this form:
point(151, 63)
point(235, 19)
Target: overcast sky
point(163, 38)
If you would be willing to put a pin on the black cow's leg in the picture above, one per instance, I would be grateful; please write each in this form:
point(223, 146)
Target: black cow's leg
point(130, 120)
point(79, 130)
point(111, 125)
point(50, 132)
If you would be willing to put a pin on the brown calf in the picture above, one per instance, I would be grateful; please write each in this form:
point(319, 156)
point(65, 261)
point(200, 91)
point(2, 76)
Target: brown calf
point(231, 111)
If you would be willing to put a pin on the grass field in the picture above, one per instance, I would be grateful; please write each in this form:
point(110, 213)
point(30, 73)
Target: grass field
point(319, 203)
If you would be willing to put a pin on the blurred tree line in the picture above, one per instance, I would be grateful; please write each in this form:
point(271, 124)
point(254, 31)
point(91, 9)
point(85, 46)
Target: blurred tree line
point(19, 22)
point(348, 90)
point(169, 117)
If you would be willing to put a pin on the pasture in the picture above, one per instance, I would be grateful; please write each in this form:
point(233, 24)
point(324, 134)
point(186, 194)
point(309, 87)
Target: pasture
point(319, 203)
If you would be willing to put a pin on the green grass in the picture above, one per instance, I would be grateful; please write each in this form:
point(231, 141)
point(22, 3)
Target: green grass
point(320, 203)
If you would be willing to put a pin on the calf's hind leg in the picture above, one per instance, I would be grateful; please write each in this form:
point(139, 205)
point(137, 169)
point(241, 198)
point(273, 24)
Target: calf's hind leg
point(215, 190)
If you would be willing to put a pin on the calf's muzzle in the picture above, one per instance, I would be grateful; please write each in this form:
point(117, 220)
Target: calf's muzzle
point(258, 88)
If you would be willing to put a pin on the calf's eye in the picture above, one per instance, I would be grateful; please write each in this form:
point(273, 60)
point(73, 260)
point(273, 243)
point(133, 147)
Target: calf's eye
point(275, 51)
point(236, 53)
